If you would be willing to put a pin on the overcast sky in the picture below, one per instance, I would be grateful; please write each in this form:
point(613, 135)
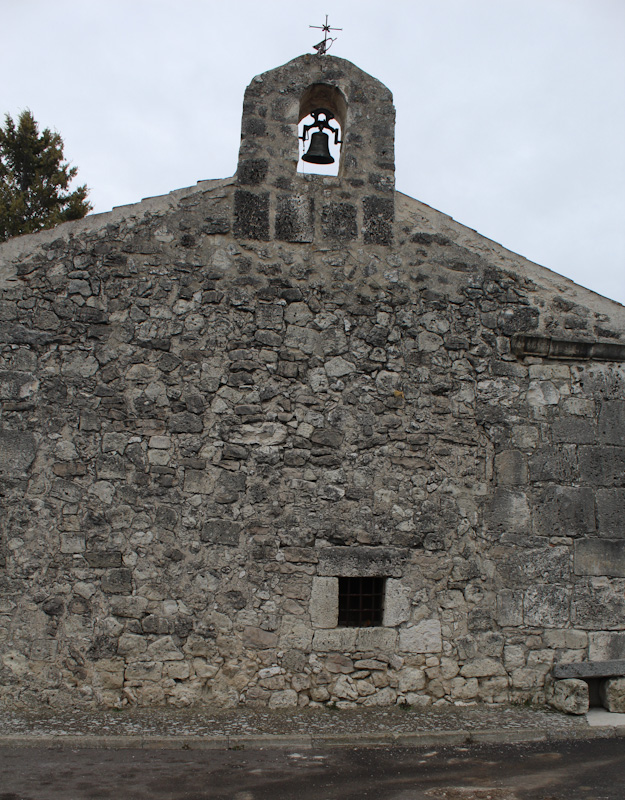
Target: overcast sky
point(510, 113)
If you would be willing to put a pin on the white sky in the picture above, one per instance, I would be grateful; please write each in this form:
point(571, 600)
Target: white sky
point(510, 113)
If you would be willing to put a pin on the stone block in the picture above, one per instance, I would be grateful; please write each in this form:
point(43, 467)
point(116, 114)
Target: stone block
point(564, 511)
point(114, 442)
point(509, 512)
point(589, 669)
point(110, 467)
point(295, 218)
point(611, 513)
point(482, 668)
point(259, 639)
point(338, 221)
point(17, 386)
point(336, 662)
point(251, 215)
point(297, 636)
point(524, 678)
point(164, 649)
point(101, 559)
point(411, 679)
point(383, 697)
point(17, 452)
point(554, 463)
point(511, 468)
point(251, 172)
point(396, 603)
point(131, 646)
point(573, 429)
point(144, 671)
point(509, 608)
point(185, 422)
point(546, 606)
point(606, 646)
point(269, 316)
point(379, 215)
point(598, 606)
point(523, 567)
point(338, 367)
point(612, 693)
point(382, 640)
point(345, 688)
point(324, 602)
point(338, 640)
point(361, 561)
point(198, 481)
point(117, 581)
point(221, 531)
point(611, 426)
point(286, 698)
point(72, 543)
point(177, 670)
point(601, 466)
point(570, 696)
point(424, 637)
point(265, 433)
point(132, 607)
point(600, 557)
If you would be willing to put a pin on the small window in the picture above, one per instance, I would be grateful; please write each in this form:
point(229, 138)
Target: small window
point(361, 602)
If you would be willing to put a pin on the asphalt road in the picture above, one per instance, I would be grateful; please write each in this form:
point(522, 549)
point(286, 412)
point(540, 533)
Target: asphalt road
point(574, 770)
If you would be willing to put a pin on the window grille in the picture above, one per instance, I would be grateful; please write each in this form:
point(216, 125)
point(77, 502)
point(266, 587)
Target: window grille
point(361, 602)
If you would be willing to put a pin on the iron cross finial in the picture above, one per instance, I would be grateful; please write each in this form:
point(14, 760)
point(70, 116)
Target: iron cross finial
point(323, 47)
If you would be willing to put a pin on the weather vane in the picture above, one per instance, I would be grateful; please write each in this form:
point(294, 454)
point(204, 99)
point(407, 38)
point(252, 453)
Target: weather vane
point(323, 47)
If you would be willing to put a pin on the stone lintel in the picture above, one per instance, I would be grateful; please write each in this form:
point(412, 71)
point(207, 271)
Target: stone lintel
point(590, 669)
point(575, 350)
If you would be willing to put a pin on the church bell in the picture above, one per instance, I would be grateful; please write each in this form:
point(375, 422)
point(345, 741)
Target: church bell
point(319, 150)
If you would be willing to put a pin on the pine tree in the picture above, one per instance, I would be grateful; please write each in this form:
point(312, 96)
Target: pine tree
point(34, 180)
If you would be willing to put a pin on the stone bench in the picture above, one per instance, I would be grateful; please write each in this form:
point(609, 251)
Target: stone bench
point(590, 669)
point(572, 691)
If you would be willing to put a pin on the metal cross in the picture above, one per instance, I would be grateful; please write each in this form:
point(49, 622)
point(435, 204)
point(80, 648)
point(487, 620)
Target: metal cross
point(323, 47)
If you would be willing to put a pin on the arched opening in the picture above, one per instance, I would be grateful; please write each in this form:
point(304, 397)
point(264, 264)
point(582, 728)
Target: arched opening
point(321, 127)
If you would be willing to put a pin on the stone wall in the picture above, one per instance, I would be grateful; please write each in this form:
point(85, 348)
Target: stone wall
point(202, 431)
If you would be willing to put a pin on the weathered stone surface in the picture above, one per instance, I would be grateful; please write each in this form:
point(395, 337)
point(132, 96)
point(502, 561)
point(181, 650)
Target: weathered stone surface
point(600, 557)
point(218, 403)
point(396, 603)
point(339, 640)
point(324, 603)
point(295, 218)
point(482, 668)
point(565, 511)
point(612, 694)
point(363, 561)
point(117, 581)
point(606, 646)
point(17, 452)
point(589, 669)
point(411, 679)
point(425, 637)
point(547, 606)
point(598, 606)
point(610, 516)
point(221, 531)
point(101, 559)
point(259, 639)
point(570, 696)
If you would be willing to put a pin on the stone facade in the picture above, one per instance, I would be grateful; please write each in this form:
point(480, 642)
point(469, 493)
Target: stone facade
point(217, 404)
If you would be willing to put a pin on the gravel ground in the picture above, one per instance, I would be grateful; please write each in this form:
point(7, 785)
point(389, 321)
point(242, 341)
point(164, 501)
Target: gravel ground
point(312, 721)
